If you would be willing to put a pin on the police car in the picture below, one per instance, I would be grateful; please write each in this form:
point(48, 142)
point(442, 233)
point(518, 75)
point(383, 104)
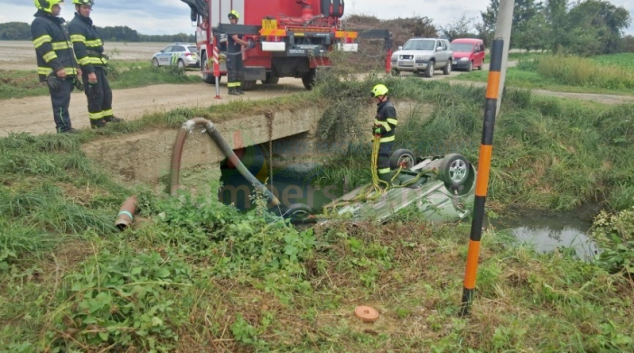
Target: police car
point(178, 54)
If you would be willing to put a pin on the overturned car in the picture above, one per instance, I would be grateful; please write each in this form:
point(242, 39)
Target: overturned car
point(442, 188)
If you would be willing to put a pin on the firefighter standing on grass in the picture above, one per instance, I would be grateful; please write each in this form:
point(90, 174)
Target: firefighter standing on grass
point(235, 66)
point(384, 128)
point(56, 63)
point(89, 50)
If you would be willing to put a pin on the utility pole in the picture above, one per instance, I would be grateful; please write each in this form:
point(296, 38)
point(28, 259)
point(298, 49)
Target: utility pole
point(503, 25)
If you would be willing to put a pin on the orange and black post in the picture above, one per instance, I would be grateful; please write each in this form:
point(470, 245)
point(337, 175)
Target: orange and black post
point(484, 166)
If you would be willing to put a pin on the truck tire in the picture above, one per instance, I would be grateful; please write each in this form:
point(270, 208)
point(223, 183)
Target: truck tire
point(309, 79)
point(247, 85)
point(429, 71)
point(208, 78)
point(271, 80)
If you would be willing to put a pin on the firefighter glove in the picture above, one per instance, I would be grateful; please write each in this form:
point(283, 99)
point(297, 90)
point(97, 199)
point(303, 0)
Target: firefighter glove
point(53, 82)
point(377, 131)
point(78, 84)
point(251, 44)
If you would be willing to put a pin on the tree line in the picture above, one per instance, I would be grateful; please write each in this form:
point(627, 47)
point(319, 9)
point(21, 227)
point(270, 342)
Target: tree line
point(584, 27)
point(22, 31)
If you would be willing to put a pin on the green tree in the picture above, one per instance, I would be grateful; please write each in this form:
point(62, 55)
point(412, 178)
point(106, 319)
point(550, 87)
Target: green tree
point(460, 28)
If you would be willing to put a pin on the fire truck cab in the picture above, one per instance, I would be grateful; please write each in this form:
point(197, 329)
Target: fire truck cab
point(292, 37)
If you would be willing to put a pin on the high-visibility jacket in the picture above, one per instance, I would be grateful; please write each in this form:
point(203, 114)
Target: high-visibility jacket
point(53, 48)
point(87, 42)
point(386, 119)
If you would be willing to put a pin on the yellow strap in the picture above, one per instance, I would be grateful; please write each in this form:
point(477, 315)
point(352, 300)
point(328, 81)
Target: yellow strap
point(392, 121)
point(92, 60)
point(47, 70)
point(388, 139)
point(49, 56)
point(107, 112)
point(384, 170)
point(41, 40)
point(77, 38)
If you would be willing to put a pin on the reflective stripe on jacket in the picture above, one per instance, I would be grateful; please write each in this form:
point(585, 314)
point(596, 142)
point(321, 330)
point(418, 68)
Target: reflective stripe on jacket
point(53, 48)
point(87, 42)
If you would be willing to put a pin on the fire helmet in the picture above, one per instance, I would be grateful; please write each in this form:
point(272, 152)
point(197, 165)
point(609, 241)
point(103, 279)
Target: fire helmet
point(234, 15)
point(84, 2)
point(379, 90)
point(47, 5)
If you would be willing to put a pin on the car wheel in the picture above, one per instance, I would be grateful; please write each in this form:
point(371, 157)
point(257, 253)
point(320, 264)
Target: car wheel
point(470, 66)
point(480, 67)
point(298, 213)
point(155, 62)
point(454, 169)
point(181, 64)
point(402, 158)
point(447, 69)
point(429, 71)
point(207, 78)
point(395, 72)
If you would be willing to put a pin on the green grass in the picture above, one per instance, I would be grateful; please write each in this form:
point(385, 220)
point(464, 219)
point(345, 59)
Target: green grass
point(607, 74)
point(18, 84)
point(198, 276)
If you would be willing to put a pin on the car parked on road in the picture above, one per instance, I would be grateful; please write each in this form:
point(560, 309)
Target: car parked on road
point(178, 54)
point(468, 53)
point(423, 55)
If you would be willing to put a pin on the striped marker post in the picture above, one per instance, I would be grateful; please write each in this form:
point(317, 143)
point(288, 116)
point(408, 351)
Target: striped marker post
point(484, 166)
point(216, 66)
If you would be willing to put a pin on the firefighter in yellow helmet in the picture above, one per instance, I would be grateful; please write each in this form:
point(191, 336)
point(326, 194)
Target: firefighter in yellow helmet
point(89, 50)
point(56, 64)
point(235, 65)
point(384, 128)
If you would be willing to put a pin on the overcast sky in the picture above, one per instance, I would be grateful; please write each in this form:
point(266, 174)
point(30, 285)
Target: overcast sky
point(172, 16)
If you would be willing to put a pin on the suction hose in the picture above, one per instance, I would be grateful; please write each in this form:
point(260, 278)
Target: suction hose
point(177, 152)
point(125, 217)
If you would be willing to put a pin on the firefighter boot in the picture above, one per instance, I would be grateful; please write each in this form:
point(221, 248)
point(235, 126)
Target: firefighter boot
point(233, 92)
point(97, 124)
point(239, 90)
point(112, 119)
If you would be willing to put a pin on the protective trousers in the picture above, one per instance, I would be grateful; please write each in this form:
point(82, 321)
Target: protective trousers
point(383, 167)
point(99, 96)
point(235, 70)
point(61, 100)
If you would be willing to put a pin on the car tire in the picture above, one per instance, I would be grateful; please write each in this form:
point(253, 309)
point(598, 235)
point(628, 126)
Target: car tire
point(447, 69)
point(470, 66)
point(402, 158)
point(480, 67)
point(207, 78)
point(395, 72)
point(454, 170)
point(181, 64)
point(429, 71)
point(298, 213)
point(155, 62)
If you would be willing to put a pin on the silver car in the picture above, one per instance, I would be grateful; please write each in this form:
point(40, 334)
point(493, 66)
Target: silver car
point(423, 55)
point(177, 54)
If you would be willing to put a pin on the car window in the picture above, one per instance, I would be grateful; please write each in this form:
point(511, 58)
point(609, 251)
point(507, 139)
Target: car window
point(443, 44)
point(462, 47)
point(178, 48)
point(419, 44)
point(167, 49)
point(192, 49)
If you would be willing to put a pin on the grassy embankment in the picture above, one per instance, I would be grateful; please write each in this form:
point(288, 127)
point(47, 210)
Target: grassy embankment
point(18, 84)
point(609, 74)
point(198, 276)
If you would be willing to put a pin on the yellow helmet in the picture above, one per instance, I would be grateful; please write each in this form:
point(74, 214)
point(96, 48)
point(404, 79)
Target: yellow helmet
point(234, 15)
point(47, 5)
point(84, 2)
point(379, 90)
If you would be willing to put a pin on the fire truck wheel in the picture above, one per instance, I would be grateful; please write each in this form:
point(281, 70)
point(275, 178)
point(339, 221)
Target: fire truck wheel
point(247, 85)
point(309, 80)
point(208, 78)
point(271, 80)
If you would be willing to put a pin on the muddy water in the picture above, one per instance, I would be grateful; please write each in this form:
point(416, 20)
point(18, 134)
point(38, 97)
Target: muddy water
point(549, 231)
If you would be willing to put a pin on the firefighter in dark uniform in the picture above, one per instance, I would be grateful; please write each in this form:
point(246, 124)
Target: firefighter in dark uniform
point(385, 126)
point(56, 63)
point(235, 66)
point(89, 50)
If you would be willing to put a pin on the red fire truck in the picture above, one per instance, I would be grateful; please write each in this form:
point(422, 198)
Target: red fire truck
point(293, 37)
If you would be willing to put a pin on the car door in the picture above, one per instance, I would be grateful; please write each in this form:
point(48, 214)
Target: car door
point(480, 53)
point(165, 55)
point(441, 55)
point(177, 51)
